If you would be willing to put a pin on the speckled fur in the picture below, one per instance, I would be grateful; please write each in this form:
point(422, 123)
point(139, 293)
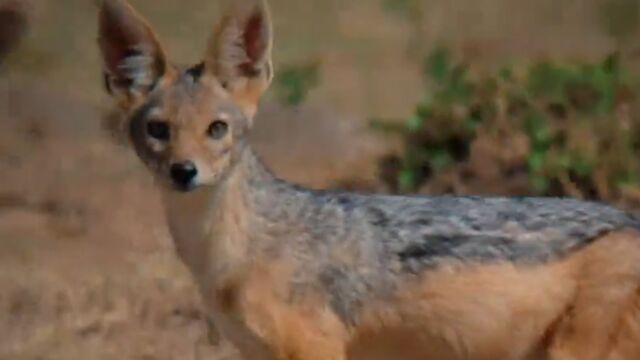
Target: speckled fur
point(357, 246)
point(292, 273)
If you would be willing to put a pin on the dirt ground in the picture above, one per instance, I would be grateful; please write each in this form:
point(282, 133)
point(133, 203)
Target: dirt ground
point(87, 269)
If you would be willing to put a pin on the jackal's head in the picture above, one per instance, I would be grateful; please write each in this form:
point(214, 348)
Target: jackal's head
point(188, 125)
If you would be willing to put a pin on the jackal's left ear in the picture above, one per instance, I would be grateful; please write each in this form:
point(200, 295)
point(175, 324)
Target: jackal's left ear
point(133, 58)
point(239, 53)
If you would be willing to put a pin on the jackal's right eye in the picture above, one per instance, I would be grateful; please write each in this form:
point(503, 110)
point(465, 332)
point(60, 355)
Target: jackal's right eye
point(158, 130)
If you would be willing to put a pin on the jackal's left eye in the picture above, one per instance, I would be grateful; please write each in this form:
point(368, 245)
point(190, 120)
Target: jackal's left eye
point(218, 129)
point(158, 130)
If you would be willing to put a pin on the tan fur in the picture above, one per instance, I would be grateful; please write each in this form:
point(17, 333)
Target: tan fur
point(309, 331)
point(585, 305)
point(250, 303)
point(131, 31)
point(250, 94)
point(604, 312)
point(246, 91)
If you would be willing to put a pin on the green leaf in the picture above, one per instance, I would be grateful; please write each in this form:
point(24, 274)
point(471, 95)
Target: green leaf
point(550, 80)
point(628, 178)
point(542, 136)
point(611, 64)
point(407, 180)
point(438, 65)
point(458, 87)
point(582, 166)
point(414, 122)
point(536, 161)
point(540, 184)
point(400, 7)
point(535, 125)
point(440, 159)
point(387, 126)
point(563, 161)
point(506, 73)
point(473, 122)
point(425, 107)
point(295, 81)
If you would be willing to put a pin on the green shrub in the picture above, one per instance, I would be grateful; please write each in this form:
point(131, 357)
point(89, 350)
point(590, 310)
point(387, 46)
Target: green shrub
point(579, 135)
point(293, 82)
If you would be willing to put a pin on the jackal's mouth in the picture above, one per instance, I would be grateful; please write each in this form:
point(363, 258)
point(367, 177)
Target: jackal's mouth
point(184, 187)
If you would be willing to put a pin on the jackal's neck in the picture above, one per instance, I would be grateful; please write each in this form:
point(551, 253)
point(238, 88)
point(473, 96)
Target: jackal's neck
point(222, 227)
point(259, 198)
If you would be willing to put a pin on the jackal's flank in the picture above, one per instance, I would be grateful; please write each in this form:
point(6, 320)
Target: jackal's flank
point(291, 273)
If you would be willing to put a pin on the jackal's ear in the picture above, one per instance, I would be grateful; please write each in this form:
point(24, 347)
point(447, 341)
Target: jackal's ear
point(133, 58)
point(239, 53)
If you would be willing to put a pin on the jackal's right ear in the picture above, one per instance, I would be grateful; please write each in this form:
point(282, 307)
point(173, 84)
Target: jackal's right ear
point(133, 58)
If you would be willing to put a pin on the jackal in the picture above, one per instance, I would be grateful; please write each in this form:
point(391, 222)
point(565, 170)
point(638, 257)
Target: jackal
point(293, 273)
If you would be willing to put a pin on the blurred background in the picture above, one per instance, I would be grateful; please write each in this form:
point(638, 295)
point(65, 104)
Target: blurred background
point(509, 97)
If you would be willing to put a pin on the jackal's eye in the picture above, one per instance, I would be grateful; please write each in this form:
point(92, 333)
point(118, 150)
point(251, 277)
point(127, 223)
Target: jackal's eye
point(158, 130)
point(218, 129)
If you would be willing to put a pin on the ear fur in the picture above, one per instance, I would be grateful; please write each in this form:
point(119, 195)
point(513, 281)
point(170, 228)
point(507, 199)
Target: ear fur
point(239, 52)
point(134, 61)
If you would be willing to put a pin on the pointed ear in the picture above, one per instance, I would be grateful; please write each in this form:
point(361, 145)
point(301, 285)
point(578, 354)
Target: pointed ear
point(133, 58)
point(239, 53)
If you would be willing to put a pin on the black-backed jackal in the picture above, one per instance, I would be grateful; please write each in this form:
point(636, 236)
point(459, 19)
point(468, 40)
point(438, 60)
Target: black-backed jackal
point(291, 273)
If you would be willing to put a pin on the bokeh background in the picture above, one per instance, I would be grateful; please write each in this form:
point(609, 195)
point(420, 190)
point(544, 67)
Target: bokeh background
point(510, 97)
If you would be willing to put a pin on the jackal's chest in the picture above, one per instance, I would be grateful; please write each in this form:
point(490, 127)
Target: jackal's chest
point(189, 242)
point(255, 312)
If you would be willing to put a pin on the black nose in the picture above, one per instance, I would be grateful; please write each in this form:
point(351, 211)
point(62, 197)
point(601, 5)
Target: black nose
point(183, 173)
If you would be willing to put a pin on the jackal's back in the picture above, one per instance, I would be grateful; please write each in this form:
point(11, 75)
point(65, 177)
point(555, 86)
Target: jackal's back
point(423, 231)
